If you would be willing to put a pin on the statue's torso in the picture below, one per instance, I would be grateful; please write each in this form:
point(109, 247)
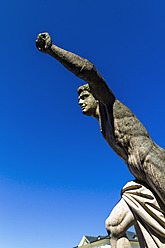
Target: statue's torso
point(130, 140)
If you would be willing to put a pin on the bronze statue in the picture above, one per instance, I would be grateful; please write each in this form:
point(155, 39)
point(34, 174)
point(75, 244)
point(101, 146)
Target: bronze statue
point(143, 200)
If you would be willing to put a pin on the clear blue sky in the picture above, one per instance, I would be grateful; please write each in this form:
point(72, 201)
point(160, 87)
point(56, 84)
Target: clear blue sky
point(59, 180)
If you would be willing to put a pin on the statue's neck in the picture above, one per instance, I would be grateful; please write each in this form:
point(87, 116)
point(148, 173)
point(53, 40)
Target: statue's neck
point(96, 114)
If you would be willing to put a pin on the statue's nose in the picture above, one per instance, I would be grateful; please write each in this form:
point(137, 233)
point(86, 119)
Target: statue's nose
point(80, 102)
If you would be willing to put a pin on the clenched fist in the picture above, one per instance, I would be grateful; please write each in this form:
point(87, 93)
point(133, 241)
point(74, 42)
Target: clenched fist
point(43, 42)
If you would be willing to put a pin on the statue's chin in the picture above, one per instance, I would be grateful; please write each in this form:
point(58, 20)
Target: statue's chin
point(88, 113)
point(84, 112)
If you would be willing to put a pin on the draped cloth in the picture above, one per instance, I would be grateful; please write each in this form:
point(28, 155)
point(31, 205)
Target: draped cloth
point(149, 213)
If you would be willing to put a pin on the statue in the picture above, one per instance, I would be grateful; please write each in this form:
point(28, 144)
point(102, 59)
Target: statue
point(142, 201)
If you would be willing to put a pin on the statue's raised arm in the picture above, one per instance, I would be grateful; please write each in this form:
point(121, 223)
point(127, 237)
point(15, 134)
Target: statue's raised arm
point(82, 68)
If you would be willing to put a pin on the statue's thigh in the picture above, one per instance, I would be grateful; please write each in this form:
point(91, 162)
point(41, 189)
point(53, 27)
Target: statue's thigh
point(120, 219)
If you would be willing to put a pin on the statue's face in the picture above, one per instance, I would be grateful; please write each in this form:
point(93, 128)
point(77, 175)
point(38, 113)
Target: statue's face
point(88, 103)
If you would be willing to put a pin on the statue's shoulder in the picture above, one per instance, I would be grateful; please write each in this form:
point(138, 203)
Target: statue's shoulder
point(121, 111)
point(126, 122)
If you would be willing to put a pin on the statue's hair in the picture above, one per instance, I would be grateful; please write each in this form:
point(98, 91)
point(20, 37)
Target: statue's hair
point(82, 88)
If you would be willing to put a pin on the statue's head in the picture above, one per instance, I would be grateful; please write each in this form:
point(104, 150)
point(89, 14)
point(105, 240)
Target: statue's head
point(87, 101)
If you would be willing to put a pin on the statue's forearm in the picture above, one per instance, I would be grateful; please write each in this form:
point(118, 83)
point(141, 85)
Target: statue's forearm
point(82, 68)
point(71, 61)
point(85, 70)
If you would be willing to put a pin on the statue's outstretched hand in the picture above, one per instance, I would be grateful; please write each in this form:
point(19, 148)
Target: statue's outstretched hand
point(43, 42)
